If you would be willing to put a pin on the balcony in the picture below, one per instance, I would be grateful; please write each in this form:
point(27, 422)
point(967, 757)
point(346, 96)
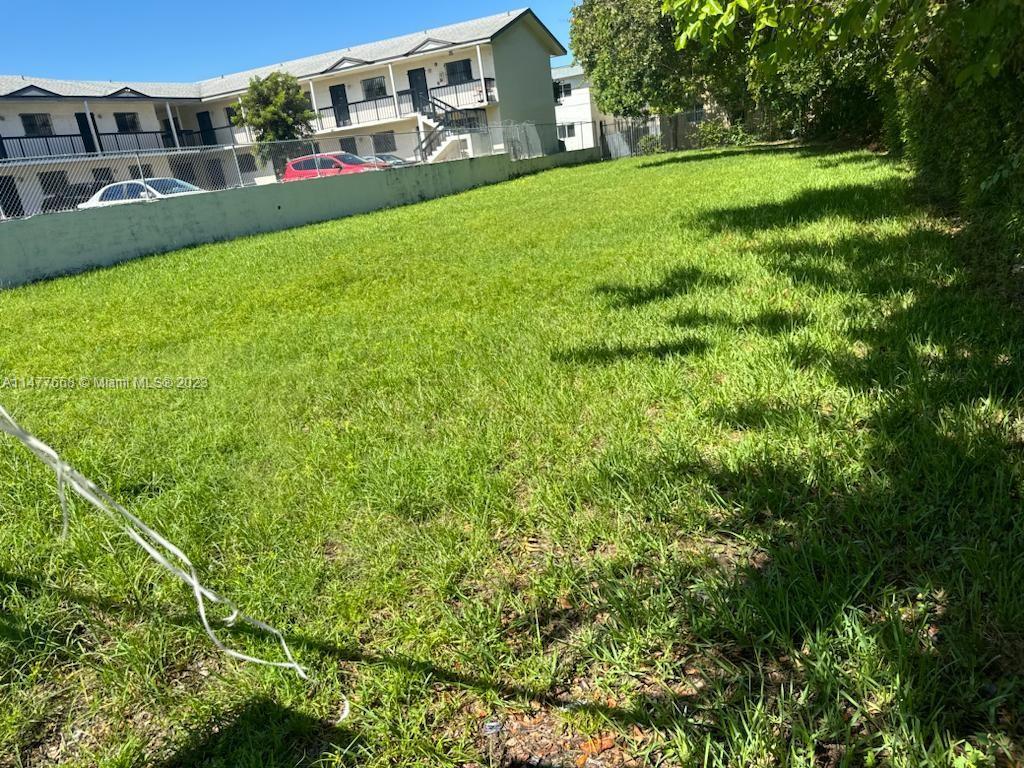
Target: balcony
point(42, 146)
point(467, 95)
point(362, 112)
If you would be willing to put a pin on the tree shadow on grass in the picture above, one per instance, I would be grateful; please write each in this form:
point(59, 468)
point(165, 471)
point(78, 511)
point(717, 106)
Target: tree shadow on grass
point(916, 538)
point(264, 734)
point(677, 282)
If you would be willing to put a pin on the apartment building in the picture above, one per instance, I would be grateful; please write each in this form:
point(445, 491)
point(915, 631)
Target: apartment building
point(577, 115)
point(403, 96)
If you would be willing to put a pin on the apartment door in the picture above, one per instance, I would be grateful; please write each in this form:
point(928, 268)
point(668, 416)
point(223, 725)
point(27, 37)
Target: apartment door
point(206, 131)
point(339, 100)
point(85, 131)
point(10, 200)
point(418, 86)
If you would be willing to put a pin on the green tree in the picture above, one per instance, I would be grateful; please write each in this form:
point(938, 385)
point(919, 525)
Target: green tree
point(276, 109)
point(628, 50)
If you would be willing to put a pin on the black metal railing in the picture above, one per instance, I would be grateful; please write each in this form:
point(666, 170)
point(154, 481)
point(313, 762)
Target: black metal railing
point(43, 146)
point(469, 94)
point(134, 141)
point(451, 121)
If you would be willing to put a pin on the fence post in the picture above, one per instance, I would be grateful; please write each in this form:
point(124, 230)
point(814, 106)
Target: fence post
point(238, 168)
point(316, 160)
point(138, 162)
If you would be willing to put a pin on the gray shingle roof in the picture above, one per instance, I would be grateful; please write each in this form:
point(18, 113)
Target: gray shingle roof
point(570, 70)
point(452, 34)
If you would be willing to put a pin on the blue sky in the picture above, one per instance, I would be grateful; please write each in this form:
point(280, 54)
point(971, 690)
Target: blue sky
point(129, 40)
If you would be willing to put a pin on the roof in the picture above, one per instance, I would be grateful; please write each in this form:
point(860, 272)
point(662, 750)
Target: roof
point(572, 70)
point(439, 38)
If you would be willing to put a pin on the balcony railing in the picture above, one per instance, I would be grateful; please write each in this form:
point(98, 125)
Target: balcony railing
point(368, 111)
point(41, 146)
point(467, 95)
point(136, 141)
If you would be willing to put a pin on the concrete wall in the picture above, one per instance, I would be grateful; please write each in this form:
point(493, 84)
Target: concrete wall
point(523, 65)
point(45, 246)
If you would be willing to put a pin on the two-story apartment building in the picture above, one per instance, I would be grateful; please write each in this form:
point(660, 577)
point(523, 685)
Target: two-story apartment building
point(578, 117)
point(411, 95)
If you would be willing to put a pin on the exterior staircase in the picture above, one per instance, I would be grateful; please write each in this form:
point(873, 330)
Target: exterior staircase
point(447, 130)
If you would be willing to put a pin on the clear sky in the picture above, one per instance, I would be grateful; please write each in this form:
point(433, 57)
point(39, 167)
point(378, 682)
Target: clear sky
point(187, 41)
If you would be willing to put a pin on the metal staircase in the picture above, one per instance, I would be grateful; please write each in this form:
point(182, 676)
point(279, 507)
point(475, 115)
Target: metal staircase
point(447, 124)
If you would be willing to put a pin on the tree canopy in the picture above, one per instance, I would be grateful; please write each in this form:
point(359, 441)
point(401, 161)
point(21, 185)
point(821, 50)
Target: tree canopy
point(276, 109)
point(628, 50)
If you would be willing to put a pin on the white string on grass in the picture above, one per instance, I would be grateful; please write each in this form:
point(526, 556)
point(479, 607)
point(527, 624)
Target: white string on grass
point(162, 551)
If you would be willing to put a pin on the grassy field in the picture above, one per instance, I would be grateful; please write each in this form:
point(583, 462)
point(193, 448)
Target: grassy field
point(684, 460)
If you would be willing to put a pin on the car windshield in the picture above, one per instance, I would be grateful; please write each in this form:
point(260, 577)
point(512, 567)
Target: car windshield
point(171, 186)
point(349, 159)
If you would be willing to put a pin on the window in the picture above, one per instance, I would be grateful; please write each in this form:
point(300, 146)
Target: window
point(102, 175)
point(37, 124)
point(326, 164)
point(134, 191)
point(348, 145)
point(374, 88)
point(348, 159)
point(458, 72)
point(563, 91)
point(230, 112)
point(384, 142)
point(147, 170)
point(127, 122)
point(171, 186)
point(567, 131)
point(305, 165)
point(53, 182)
point(113, 193)
point(247, 163)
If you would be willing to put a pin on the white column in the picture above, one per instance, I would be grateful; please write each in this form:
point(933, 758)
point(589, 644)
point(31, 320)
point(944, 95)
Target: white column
point(248, 131)
point(170, 119)
point(312, 100)
point(92, 127)
point(394, 90)
point(483, 80)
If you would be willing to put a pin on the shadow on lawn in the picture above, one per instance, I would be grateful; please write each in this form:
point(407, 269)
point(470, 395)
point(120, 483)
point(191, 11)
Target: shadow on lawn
point(919, 540)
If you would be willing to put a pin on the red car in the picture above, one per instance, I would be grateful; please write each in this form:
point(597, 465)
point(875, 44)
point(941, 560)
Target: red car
point(328, 164)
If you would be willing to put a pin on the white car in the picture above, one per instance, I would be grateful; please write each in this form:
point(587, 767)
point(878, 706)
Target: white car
point(139, 191)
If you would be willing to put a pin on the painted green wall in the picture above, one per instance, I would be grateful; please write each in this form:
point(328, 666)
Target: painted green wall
point(523, 66)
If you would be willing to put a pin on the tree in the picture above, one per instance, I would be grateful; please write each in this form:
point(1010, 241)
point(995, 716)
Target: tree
point(276, 109)
point(628, 50)
point(912, 36)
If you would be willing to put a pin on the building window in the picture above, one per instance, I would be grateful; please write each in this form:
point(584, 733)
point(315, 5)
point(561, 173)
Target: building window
point(348, 145)
point(37, 124)
point(384, 142)
point(374, 88)
point(147, 170)
point(103, 175)
point(53, 182)
point(127, 122)
point(230, 112)
point(562, 91)
point(458, 72)
point(246, 163)
point(567, 131)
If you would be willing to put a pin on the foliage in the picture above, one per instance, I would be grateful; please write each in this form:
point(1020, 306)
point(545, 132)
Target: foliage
point(914, 35)
point(729, 434)
point(276, 109)
point(627, 48)
point(718, 133)
point(650, 144)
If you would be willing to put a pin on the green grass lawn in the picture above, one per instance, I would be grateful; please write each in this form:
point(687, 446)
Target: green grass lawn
point(701, 459)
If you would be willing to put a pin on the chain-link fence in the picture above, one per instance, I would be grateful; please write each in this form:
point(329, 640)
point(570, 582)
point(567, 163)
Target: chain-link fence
point(36, 185)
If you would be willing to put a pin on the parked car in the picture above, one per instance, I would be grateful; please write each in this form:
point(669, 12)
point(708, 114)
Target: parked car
point(328, 164)
point(71, 196)
point(138, 191)
point(393, 161)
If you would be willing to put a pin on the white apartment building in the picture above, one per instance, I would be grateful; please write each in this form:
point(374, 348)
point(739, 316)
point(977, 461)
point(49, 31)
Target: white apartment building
point(401, 96)
point(577, 115)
